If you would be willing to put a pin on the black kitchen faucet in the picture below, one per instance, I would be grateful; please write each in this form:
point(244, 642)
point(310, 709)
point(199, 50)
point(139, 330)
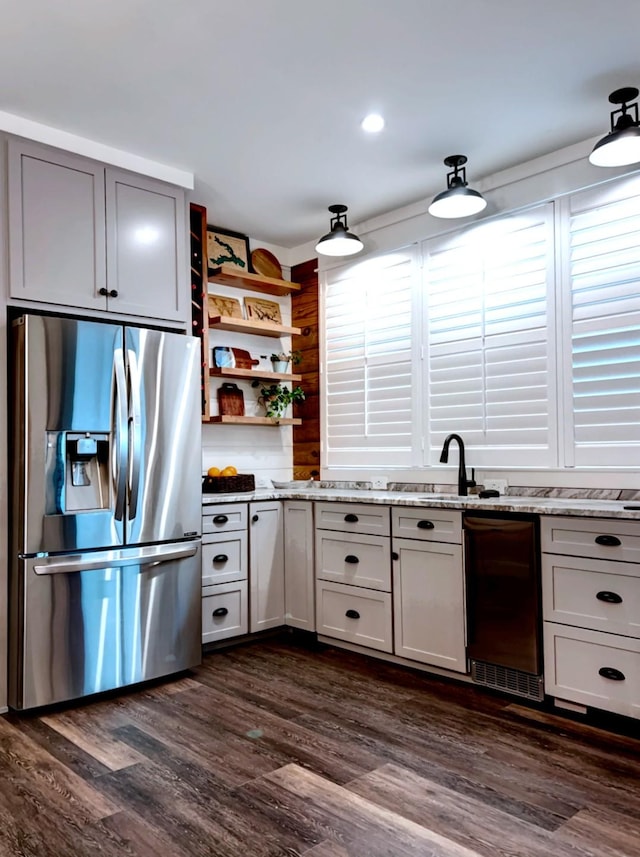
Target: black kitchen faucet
point(463, 482)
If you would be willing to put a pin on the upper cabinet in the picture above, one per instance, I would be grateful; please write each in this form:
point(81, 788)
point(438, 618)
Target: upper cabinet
point(88, 236)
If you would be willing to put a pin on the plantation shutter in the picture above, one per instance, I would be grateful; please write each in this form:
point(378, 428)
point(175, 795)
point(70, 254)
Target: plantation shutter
point(491, 362)
point(368, 318)
point(604, 229)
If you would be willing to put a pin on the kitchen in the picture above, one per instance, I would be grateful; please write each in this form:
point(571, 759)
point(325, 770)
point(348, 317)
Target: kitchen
point(267, 453)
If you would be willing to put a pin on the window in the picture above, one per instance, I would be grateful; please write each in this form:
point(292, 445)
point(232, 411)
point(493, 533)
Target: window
point(369, 379)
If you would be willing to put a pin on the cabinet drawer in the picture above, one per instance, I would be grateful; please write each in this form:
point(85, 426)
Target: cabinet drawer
point(357, 560)
point(221, 518)
point(591, 537)
point(353, 518)
point(224, 558)
point(431, 525)
point(602, 596)
point(600, 670)
point(353, 614)
point(224, 611)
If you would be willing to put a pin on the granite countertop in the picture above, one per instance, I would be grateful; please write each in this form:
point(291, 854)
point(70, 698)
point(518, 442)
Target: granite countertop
point(580, 507)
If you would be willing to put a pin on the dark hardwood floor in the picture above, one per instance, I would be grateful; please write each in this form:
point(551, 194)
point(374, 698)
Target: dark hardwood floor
point(277, 748)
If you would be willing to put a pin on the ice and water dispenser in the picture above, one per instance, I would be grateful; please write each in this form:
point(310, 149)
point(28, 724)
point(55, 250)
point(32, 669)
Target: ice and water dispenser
point(79, 471)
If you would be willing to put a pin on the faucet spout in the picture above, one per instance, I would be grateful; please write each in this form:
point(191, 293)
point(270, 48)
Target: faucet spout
point(463, 482)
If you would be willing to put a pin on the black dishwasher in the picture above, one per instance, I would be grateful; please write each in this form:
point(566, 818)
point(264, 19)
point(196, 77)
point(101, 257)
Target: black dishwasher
point(503, 601)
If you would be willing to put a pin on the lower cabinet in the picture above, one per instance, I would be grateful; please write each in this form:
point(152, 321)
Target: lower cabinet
point(355, 614)
point(225, 571)
point(428, 596)
point(266, 563)
point(299, 597)
point(224, 611)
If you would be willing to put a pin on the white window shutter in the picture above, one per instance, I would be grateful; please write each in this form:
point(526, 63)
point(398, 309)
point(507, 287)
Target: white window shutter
point(368, 358)
point(491, 360)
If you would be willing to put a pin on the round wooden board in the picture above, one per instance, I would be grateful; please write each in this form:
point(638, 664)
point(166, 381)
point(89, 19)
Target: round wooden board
point(266, 264)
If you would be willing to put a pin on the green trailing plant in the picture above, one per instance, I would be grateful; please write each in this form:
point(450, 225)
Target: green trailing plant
point(277, 397)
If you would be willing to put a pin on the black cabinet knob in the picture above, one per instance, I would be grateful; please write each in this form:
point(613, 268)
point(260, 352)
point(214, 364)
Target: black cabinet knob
point(220, 519)
point(255, 518)
point(395, 555)
point(608, 541)
point(103, 292)
point(220, 611)
point(351, 519)
point(350, 558)
point(113, 293)
point(609, 597)
point(425, 525)
point(221, 557)
point(352, 614)
point(611, 673)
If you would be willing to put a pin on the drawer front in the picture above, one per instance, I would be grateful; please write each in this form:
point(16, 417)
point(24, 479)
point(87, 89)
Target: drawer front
point(224, 517)
point(602, 596)
point(429, 525)
point(353, 518)
point(356, 560)
point(224, 611)
point(591, 537)
point(224, 558)
point(591, 668)
point(354, 614)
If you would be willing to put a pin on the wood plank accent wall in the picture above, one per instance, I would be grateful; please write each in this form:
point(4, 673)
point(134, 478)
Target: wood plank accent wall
point(305, 315)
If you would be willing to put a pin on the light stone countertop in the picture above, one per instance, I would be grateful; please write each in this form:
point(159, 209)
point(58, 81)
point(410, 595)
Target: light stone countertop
point(579, 507)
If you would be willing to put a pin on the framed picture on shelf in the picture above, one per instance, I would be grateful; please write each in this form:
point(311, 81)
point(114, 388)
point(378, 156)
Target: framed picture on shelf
point(259, 309)
point(227, 248)
point(222, 305)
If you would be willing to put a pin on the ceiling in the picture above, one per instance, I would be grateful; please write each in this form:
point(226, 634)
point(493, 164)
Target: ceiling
point(262, 99)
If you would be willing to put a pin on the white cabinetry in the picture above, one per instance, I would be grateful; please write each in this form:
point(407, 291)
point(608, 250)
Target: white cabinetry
point(266, 562)
point(298, 565)
point(591, 611)
point(224, 571)
point(428, 587)
point(353, 574)
point(87, 236)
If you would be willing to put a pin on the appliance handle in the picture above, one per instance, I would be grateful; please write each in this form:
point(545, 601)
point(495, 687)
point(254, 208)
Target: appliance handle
point(153, 555)
point(120, 425)
point(135, 433)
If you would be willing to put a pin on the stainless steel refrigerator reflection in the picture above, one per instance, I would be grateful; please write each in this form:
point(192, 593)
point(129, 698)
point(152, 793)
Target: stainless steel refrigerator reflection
point(105, 577)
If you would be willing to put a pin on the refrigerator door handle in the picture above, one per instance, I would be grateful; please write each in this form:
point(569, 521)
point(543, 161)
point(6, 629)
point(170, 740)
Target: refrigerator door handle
point(135, 433)
point(120, 429)
point(153, 555)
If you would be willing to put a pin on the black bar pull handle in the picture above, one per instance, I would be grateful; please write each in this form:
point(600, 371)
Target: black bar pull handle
point(425, 525)
point(350, 558)
point(608, 541)
point(351, 519)
point(352, 614)
point(220, 519)
point(220, 611)
point(609, 597)
point(221, 557)
point(611, 673)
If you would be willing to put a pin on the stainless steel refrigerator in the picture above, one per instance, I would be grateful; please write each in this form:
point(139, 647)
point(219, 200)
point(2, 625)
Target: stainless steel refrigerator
point(106, 511)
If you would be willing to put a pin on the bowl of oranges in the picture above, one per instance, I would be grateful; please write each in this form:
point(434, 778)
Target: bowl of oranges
point(227, 480)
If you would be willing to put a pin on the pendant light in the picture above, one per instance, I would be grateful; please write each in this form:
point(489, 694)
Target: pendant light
point(457, 200)
point(621, 146)
point(339, 242)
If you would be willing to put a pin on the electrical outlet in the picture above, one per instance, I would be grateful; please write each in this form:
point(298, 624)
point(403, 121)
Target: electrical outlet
point(496, 485)
point(379, 482)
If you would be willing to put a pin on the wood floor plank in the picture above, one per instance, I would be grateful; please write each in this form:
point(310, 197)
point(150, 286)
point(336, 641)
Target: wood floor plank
point(616, 835)
point(85, 728)
point(356, 824)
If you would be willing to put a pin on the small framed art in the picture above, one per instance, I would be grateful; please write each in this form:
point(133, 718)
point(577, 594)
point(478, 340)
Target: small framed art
point(222, 305)
point(259, 309)
point(227, 248)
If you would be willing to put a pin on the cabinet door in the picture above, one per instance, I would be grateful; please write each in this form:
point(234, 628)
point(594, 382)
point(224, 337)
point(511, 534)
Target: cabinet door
point(298, 565)
point(56, 227)
point(146, 247)
point(266, 565)
point(428, 589)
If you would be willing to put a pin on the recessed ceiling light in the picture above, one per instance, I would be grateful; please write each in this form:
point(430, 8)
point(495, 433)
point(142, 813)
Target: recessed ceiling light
point(373, 123)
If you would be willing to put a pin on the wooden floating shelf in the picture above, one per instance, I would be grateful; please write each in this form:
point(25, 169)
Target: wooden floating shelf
point(255, 421)
point(243, 325)
point(254, 374)
point(227, 276)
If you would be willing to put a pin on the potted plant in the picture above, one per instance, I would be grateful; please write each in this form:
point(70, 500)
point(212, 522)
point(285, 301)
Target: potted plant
point(277, 397)
point(280, 360)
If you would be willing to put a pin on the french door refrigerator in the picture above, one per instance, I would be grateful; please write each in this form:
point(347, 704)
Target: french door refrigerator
point(105, 529)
